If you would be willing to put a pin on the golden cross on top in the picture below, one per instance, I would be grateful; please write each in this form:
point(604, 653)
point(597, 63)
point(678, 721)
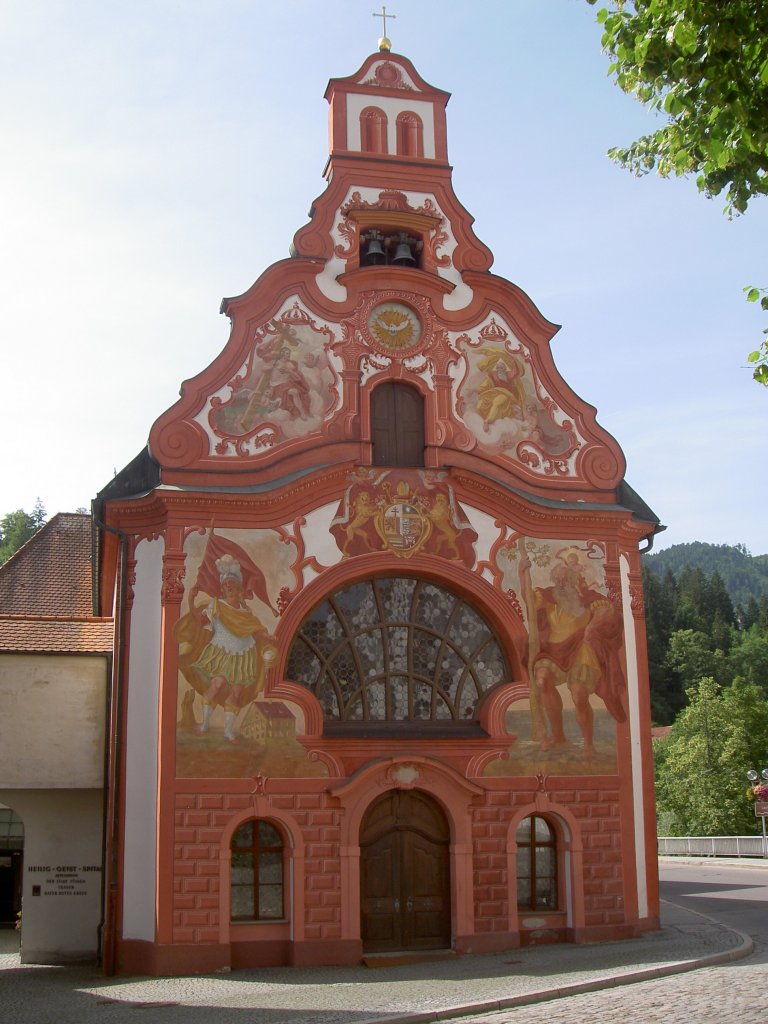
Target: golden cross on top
point(384, 43)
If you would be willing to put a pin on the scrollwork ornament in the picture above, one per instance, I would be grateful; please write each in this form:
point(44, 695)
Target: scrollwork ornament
point(173, 584)
point(599, 466)
point(636, 599)
point(614, 593)
point(130, 584)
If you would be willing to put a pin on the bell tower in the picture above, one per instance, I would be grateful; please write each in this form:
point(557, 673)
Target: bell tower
point(386, 111)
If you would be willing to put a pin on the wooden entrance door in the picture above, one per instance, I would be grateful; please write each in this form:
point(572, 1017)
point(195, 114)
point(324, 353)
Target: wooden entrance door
point(405, 883)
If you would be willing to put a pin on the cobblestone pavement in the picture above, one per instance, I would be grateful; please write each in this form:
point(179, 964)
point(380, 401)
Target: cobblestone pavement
point(735, 992)
point(34, 994)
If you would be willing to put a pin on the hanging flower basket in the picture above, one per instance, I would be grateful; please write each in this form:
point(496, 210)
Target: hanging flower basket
point(757, 792)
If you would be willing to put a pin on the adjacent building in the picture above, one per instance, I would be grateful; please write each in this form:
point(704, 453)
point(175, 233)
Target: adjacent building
point(55, 669)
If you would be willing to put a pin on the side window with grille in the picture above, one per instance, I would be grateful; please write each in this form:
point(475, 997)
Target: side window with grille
point(256, 888)
point(536, 864)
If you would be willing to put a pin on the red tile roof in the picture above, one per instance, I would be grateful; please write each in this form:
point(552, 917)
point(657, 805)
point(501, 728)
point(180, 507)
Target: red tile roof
point(45, 593)
point(51, 573)
point(24, 634)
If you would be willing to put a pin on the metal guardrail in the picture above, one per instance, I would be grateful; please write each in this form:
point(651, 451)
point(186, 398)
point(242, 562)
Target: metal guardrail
point(710, 846)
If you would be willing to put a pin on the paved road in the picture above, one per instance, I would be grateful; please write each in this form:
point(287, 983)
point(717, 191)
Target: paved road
point(736, 992)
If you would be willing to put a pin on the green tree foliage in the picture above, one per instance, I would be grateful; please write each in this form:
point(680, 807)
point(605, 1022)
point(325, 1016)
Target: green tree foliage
point(701, 766)
point(703, 64)
point(708, 666)
point(667, 693)
point(693, 631)
point(748, 659)
point(690, 655)
point(17, 527)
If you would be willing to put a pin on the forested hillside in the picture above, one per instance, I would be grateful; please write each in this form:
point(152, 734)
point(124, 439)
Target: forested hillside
point(744, 575)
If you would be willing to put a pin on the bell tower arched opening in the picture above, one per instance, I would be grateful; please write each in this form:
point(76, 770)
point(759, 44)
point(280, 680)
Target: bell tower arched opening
point(373, 130)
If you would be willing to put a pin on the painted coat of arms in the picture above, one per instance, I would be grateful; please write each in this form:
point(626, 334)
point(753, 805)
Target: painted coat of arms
point(404, 512)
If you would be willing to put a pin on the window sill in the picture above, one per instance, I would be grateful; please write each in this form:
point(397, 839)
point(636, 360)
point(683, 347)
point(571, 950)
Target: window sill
point(404, 730)
point(256, 924)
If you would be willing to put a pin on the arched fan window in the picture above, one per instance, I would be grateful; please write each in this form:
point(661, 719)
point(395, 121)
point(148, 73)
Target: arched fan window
point(397, 649)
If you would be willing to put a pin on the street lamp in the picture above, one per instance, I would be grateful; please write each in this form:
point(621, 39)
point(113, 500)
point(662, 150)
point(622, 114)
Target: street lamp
point(761, 806)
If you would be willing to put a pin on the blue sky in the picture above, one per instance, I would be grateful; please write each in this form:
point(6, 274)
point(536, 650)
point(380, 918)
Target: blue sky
point(158, 155)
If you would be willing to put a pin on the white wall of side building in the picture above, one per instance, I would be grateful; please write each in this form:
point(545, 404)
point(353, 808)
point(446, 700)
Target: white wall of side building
point(62, 880)
point(52, 736)
point(53, 723)
point(141, 729)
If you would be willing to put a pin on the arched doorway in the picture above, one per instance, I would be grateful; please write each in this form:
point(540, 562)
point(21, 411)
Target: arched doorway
point(405, 890)
point(11, 861)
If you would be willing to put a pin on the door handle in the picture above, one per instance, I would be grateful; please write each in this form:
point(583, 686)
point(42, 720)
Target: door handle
point(397, 905)
point(409, 904)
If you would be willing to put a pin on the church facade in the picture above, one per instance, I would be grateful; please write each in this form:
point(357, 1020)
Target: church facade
point(381, 682)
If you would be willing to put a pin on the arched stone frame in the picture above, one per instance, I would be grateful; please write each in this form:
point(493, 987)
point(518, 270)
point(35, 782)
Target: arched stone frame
point(471, 587)
point(570, 861)
point(294, 891)
point(451, 791)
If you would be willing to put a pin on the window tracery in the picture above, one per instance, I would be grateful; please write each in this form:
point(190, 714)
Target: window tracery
point(396, 649)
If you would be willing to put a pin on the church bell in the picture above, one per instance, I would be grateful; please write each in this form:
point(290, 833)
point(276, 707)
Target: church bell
point(404, 252)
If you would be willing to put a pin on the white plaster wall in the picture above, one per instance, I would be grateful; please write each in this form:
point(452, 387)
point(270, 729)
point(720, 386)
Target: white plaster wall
point(141, 745)
point(391, 106)
point(633, 697)
point(52, 724)
point(63, 858)
point(318, 537)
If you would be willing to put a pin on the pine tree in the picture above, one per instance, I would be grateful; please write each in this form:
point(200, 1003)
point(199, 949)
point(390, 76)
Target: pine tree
point(17, 527)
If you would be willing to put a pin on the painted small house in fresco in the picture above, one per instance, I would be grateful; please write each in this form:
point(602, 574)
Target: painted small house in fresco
point(382, 682)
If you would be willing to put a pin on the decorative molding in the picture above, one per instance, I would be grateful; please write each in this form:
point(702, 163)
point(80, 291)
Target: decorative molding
point(173, 583)
point(636, 598)
point(391, 199)
point(130, 581)
point(477, 764)
point(405, 775)
point(387, 75)
point(323, 757)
